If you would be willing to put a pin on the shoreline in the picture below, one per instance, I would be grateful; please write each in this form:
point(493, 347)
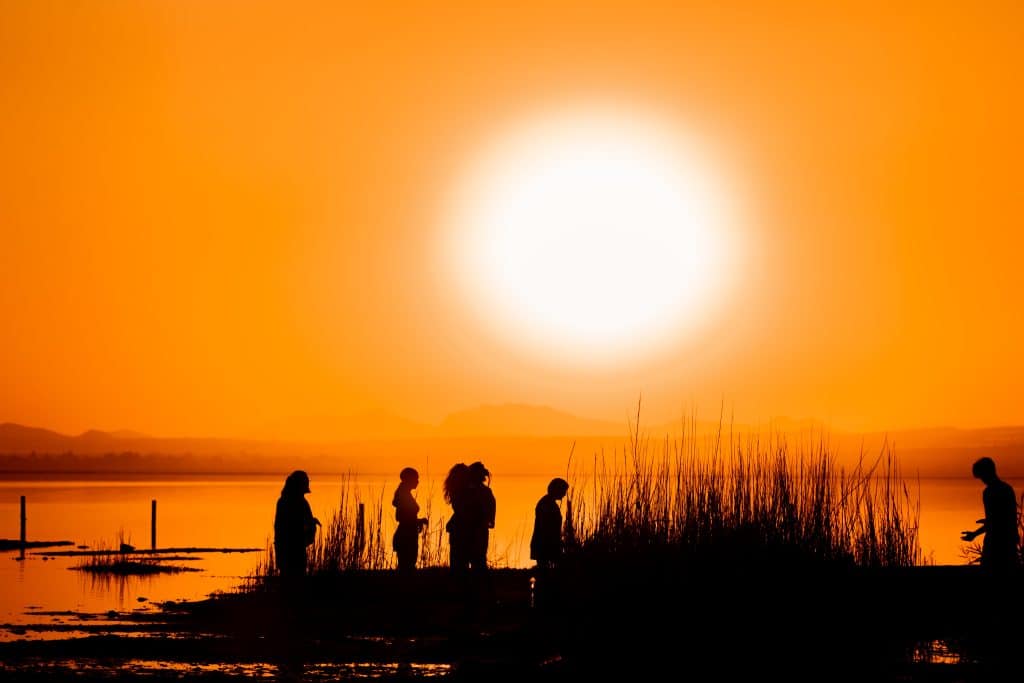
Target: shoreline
point(894, 621)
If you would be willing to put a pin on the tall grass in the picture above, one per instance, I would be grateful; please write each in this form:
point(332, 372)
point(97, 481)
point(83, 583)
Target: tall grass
point(358, 534)
point(696, 495)
point(705, 495)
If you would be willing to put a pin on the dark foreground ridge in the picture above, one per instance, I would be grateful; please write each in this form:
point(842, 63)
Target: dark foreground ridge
point(623, 623)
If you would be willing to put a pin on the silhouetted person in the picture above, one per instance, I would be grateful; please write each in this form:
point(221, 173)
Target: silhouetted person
point(294, 526)
point(454, 489)
point(410, 524)
point(546, 543)
point(999, 549)
point(473, 519)
point(478, 512)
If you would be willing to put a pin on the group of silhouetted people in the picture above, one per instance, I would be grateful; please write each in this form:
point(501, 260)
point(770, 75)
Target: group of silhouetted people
point(467, 490)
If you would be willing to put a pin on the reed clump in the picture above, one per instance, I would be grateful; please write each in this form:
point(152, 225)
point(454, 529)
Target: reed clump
point(357, 535)
point(743, 498)
point(123, 560)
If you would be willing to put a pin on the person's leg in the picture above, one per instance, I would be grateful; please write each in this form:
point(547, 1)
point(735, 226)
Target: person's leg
point(407, 556)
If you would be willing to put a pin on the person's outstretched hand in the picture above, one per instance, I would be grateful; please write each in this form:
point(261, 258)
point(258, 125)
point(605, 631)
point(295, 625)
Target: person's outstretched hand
point(968, 535)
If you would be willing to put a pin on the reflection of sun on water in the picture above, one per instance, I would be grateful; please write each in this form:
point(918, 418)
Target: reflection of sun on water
point(592, 236)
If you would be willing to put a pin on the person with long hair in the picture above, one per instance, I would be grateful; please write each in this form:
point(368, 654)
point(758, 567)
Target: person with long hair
point(454, 488)
point(294, 526)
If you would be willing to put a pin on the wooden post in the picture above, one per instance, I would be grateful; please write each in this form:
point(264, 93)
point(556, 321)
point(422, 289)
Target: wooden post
point(360, 533)
point(152, 525)
point(23, 519)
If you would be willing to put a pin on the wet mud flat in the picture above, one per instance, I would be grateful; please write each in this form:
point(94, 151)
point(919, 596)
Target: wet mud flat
point(620, 623)
point(362, 625)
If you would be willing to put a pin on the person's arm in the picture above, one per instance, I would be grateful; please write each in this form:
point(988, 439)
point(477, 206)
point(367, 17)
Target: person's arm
point(971, 535)
point(310, 523)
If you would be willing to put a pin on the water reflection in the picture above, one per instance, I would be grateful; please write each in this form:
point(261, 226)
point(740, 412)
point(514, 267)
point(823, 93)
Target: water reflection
point(296, 670)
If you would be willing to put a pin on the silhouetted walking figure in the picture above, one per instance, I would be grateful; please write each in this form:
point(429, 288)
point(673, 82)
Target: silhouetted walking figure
point(410, 524)
point(294, 526)
point(454, 489)
point(999, 549)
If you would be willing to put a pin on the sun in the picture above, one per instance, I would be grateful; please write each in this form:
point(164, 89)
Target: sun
point(591, 236)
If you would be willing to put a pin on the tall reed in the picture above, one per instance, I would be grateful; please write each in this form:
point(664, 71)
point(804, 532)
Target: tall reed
point(357, 535)
point(743, 493)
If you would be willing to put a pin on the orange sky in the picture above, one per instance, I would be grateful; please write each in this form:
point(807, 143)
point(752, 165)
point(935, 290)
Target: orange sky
point(219, 217)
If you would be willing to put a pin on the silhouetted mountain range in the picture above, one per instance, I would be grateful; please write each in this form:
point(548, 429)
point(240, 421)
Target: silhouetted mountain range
point(523, 436)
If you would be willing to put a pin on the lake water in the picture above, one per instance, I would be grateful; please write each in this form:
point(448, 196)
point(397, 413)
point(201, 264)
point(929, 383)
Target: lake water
point(237, 511)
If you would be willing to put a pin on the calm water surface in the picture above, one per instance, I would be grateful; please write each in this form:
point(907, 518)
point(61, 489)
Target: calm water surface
point(237, 511)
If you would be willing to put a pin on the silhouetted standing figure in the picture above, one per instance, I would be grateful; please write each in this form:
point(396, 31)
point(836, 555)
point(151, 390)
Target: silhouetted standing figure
point(410, 524)
point(454, 494)
point(478, 512)
point(294, 526)
point(999, 549)
point(546, 542)
point(475, 508)
point(294, 530)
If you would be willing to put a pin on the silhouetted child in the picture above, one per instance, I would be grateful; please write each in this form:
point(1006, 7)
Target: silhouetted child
point(999, 550)
point(294, 526)
point(410, 524)
point(546, 541)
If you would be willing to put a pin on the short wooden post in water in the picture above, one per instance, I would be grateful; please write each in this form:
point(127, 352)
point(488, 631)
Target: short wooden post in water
point(152, 525)
point(360, 533)
point(23, 518)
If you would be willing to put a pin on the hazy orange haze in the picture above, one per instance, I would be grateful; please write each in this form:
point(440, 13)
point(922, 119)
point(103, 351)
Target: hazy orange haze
point(218, 217)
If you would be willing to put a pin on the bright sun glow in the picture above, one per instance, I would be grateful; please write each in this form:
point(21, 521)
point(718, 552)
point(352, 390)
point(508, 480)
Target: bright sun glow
point(592, 236)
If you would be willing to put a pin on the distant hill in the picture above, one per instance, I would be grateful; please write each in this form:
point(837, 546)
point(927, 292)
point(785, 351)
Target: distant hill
point(363, 425)
point(524, 420)
point(15, 438)
point(521, 437)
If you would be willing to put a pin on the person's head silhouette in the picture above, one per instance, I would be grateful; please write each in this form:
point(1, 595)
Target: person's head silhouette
point(410, 477)
point(297, 483)
point(557, 488)
point(984, 469)
point(456, 481)
point(478, 474)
